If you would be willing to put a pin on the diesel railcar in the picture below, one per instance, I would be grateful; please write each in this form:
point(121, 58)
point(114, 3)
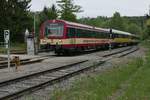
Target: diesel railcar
point(67, 37)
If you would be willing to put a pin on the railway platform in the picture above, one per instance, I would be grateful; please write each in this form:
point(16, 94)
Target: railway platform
point(21, 56)
point(25, 56)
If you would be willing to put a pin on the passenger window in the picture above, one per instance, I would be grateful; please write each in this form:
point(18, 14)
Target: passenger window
point(71, 32)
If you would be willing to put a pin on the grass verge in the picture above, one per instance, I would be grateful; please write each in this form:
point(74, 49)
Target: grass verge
point(139, 85)
point(14, 46)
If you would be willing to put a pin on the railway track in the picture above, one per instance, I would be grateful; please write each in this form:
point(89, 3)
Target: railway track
point(2, 59)
point(4, 63)
point(25, 52)
point(15, 88)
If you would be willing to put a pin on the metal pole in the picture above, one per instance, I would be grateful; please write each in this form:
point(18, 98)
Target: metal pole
point(110, 36)
point(110, 45)
point(35, 47)
point(8, 52)
point(7, 44)
point(34, 24)
point(149, 10)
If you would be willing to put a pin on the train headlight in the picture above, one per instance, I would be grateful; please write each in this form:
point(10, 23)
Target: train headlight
point(44, 41)
point(60, 41)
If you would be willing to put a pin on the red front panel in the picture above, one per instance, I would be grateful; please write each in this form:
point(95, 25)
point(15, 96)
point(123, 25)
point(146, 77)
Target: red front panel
point(42, 30)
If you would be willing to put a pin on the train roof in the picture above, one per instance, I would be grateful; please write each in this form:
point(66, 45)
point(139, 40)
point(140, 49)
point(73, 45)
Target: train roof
point(83, 26)
point(92, 27)
point(120, 32)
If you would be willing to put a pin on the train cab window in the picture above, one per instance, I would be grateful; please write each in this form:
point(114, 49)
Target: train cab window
point(54, 29)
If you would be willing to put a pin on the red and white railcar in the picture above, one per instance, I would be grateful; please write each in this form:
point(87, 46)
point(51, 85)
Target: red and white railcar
point(65, 37)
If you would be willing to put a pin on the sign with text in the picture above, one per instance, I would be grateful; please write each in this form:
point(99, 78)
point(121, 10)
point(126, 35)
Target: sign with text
point(6, 37)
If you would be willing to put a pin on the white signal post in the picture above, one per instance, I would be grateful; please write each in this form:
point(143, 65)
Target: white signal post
point(110, 35)
point(7, 44)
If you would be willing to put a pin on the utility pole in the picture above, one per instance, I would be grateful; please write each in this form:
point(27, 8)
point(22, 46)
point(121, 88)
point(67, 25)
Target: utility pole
point(35, 35)
point(34, 24)
point(110, 39)
point(149, 11)
point(148, 15)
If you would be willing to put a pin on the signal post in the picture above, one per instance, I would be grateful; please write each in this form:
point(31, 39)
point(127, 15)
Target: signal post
point(7, 45)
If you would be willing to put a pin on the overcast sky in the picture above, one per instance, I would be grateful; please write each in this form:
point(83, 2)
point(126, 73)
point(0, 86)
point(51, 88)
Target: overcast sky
point(93, 8)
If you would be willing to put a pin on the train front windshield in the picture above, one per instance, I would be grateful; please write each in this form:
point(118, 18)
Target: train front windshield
point(54, 29)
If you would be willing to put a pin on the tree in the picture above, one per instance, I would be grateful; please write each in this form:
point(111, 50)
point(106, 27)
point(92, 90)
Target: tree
point(48, 14)
point(148, 27)
point(68, 10)
point(44, 15)
point(134, 29)
point(14, 16)
point(117, 22)
point(53, 12)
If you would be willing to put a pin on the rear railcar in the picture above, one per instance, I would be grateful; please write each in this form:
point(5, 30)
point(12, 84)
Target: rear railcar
point(121, 38)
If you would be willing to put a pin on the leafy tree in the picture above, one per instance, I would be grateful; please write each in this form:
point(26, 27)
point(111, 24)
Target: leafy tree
point(134, 29)
point(148, 27)
point(68, 10)
point(14, 16)
point(48, 14)
point(44, 15)
point(117, 22)
point(53, 12)
point(99, 21)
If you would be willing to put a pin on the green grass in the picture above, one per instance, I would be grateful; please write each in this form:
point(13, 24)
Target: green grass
point(99, 87)
point(139, 86)
point(14, 46)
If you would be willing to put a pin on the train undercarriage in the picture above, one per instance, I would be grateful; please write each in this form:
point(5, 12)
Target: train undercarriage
point(62, 50)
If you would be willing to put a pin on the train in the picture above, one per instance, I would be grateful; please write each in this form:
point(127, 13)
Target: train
point(66, 37)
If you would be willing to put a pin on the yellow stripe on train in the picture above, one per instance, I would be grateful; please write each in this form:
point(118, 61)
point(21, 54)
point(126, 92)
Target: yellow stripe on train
point(83, 41)
point(122, 40)
point(72, 41)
